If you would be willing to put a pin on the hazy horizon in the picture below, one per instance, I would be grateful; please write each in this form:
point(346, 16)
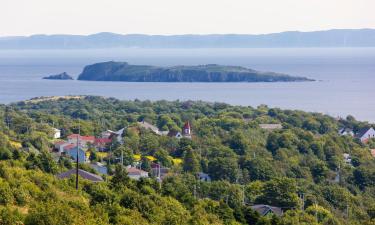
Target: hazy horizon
point(166, 17)
point(182, 34)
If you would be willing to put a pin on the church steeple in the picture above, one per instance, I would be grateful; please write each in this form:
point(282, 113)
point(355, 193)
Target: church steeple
point(186, 131)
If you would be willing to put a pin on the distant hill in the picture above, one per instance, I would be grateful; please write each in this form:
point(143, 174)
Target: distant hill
point(122, 71)
point(329, 38)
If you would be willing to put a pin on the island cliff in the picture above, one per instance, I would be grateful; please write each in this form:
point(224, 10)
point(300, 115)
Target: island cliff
point(122, 71)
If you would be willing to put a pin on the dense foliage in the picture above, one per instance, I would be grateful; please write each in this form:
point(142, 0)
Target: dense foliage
point(299, 168)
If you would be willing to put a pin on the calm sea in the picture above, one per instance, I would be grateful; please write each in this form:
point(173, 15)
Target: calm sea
point(346, 77)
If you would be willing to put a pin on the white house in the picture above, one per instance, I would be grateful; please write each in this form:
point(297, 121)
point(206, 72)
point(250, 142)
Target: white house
point(204, 177)
point(270, 126)
point(365, 134)
point(135, 173)
point(346, 132)
point(56, 133)
point(347, 158)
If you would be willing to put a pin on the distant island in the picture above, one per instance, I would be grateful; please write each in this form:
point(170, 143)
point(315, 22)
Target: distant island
point(122, 71)
point(289, 39)
point(61, 76)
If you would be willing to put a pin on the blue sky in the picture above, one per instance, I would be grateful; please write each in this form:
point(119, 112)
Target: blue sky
point(26, 17)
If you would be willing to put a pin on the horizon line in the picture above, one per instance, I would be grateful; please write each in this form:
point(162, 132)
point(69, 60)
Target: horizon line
point(185, 34)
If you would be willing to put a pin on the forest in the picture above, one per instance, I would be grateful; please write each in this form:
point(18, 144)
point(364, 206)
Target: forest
point(299, 168)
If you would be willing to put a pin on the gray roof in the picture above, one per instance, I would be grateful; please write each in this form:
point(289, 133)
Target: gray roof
point(265, 209)
point(362, 132)
point(84, 174)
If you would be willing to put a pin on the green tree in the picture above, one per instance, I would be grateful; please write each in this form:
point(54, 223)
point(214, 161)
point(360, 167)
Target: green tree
point(191, 163)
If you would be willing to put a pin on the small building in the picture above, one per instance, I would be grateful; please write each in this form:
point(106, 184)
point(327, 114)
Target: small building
point(135, 173)
point(347, 158)
point(346, 132)
point(84, 174)
point(175, 134)
point(56, 133)
point(102, 143)
point(204, 177)
point(186, 130)
point(265, 210)
point(365, 134)
point(83, 140)
point(148, 126)
point(159, 171)
point(109, 134)
point(271, 126)
point(72, 152)
point(59, 145)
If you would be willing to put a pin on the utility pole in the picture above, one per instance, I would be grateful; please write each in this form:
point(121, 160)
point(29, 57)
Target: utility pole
point(77, 160)
point(243, 194)
point(122, 157)
point(347, 211)
point(302, 197)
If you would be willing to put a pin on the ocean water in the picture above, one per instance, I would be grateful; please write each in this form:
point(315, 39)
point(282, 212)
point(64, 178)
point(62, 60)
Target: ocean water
point(345, 77)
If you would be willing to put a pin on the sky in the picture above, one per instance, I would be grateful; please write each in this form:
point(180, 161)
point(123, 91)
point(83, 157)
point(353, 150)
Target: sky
point(27, 17)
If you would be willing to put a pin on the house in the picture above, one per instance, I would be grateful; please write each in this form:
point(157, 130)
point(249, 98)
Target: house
point(135, 173)
point(83, 140)
point(102, 143)
point(346, 132)
point(72, 152)
point(59, 145)
point(149, 126)
point(365, 134)
point(347, 158)
point(186, 130)
point(158, 171)
point(175, 134)
point(99, 167)
point(84, 174)
point(56, 133)
point(204, 177)
point(109, 134)
point(271, 126)
point(265, 210)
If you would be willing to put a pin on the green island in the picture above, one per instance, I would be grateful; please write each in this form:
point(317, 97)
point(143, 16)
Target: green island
point(182, 162)
point(122, 71)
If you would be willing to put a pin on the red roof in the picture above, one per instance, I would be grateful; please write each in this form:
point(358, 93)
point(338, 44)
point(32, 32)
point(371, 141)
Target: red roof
point(84, 138)
point(69, 146)
point(102, 141)
point(187, 125)
point(59, 142)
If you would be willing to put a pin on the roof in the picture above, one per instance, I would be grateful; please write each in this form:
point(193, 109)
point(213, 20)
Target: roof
point(84, 138)
point(84, 174)
point(187, 125)
point(362, 132)
point(69, 146)
point(270, 126)
point(135, 171)
point(102, 140)
point(146, 125)
point(173, 133)
point(265, 209)
point(60, 142)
